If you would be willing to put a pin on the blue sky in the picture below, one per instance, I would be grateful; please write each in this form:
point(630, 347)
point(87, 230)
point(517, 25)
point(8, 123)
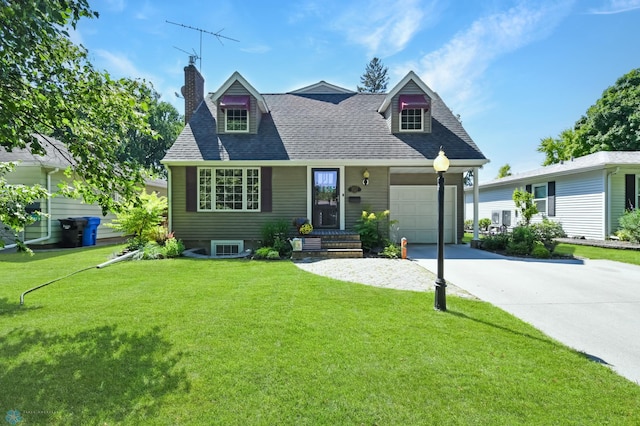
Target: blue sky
point(515, 71)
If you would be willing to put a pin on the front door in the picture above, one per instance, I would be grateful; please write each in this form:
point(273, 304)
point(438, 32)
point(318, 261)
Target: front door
point(326, 206)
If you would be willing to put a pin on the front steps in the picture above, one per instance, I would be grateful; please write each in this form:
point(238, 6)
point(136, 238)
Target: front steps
point(329, 244)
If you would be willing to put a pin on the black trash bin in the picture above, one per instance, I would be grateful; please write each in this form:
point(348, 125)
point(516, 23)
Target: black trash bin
point(72, 228)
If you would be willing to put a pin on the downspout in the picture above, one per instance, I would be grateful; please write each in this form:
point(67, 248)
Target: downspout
point(48, 236)
point(476, 198)
point(608, 225)
point(169, 200)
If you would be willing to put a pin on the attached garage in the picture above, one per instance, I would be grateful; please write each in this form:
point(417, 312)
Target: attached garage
point(415, 207)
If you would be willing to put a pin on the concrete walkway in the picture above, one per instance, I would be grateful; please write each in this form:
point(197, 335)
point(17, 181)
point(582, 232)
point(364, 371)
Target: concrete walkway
point(592, 306)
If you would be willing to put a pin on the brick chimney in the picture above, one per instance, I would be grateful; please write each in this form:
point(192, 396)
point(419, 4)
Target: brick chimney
point(193, 91)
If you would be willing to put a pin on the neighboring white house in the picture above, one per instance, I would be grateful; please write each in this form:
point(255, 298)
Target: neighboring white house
point(586, 194)
point(48, 171)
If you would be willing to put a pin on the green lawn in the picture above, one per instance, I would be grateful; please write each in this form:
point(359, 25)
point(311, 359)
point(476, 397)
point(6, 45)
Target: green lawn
point(244, 342)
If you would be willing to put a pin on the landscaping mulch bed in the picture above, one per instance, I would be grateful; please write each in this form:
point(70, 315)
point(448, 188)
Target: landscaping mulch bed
point(624, 245)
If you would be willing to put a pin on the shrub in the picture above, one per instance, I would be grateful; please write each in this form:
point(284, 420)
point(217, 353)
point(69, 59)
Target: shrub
point(495, 242)
point(172, 248)
point(540, 251)
point(391, 251)
point(150, 251)
point(272, 230)
point(141, 218)
point(273, 255)
point(630, 223)
point(546, 232)
point(525, 205)
point(623, 235)
point(522, 240)
point(484, 223)
point(274, 236)
point(262, 252)
point(373, 228)
point(468, 224)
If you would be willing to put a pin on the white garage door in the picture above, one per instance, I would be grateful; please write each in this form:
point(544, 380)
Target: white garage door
point(416, 210)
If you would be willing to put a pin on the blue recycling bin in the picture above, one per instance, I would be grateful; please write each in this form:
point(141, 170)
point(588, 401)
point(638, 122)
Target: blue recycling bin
point(90, 231)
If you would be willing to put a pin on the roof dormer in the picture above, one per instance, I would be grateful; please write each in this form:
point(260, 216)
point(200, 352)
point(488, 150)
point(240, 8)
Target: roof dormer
point(239, 106)
point(407, 107)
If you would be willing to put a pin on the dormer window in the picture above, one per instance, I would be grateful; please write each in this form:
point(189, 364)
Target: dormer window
point(412, 109)
point(236, 110)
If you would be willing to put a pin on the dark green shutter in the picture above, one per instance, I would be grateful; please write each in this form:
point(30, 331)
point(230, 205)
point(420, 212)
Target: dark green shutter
point(528, 188)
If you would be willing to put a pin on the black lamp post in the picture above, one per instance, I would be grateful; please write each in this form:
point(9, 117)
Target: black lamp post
point(441, 165)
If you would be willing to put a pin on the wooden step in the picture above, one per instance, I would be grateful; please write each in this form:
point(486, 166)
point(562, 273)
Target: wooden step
point(327, 254)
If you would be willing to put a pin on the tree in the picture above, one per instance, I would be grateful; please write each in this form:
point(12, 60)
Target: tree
point(374, 79)
point(49, 88)
point(611, 124)
point(147, 150)
point(504, 171)
point(525, 205)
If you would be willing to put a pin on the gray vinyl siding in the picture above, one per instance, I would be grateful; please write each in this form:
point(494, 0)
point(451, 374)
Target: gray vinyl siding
point(410, 89)
point(373, 197)
point(580, 204)
point(61, 207)
point(255, 115)
point(197, 229)
point(495, 199)
point(431, 179)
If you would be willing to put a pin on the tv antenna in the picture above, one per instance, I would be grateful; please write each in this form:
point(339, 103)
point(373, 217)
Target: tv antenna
point(216, 35)
point(193, 57)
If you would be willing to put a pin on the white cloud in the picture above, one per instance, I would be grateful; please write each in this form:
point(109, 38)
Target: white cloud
point(616, 6)
point(115, 5)
point(384, 27)
point(456, 70)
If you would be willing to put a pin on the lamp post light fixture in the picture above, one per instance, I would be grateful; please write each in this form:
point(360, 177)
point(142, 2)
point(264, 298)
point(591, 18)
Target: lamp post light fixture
point(441, 165)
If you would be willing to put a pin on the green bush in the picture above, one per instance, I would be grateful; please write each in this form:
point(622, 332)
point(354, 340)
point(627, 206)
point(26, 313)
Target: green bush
point(540, 251)
point(522, 241)
point(373, 228)
point(546, 232)
point(623, 235)
point(484, 223)
point(273, 255)
point(262, 252)
point(172, 248)
point(525, 205)
point(391, 251)
point(630, 223)
point(495, 242)
point(141, 219)
point(271, 231)
point(468, 224)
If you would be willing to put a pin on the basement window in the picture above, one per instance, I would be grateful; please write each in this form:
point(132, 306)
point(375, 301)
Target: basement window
point(226, 247)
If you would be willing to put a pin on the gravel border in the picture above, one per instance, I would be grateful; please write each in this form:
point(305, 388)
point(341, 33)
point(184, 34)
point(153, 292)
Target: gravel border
point(378, 272)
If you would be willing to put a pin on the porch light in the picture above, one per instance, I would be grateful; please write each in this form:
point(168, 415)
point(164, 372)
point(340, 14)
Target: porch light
point(441, 163)
point(365, 177)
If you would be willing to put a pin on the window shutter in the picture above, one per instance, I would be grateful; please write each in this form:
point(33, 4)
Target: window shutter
point(528, 188)
point(629, 192)
point(191, 188)
point(266, 189)
point(551, 198)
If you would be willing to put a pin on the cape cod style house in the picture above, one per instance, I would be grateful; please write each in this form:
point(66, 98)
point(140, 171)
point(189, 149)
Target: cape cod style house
point(588, 194)
point(322, 152)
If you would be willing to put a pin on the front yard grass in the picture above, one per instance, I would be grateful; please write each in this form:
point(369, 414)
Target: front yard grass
point(242, 342)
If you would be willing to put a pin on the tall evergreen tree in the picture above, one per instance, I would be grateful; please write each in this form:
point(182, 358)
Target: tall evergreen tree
point(374, 79)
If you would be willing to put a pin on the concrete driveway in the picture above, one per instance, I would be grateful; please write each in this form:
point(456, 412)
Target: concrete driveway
point(592, 306)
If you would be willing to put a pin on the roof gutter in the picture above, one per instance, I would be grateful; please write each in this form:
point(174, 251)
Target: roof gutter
point(48, 236)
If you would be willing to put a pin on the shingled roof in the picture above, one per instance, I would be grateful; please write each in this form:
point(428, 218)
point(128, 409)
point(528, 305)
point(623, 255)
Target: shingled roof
point(332, 127)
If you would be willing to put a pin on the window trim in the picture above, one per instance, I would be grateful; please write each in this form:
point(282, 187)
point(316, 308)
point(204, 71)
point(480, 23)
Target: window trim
point(215, 243)
point(545, 198)
point(245, 192)
point(226, 120)
point(422, 120)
